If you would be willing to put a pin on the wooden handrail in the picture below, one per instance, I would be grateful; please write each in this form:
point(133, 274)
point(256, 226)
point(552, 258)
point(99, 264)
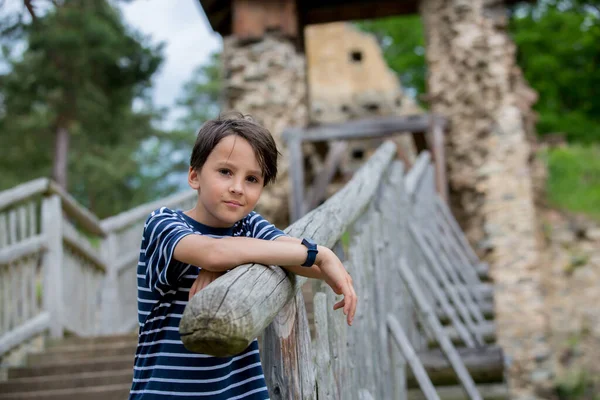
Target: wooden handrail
point(122, 220)
point(23, 191)
point(224, 318)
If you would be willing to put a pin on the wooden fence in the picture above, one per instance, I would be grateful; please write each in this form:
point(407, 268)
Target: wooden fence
point(64, 271)
point(382, 224)
point(418, 281)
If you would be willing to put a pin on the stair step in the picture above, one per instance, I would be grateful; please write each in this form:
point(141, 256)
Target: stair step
point(108, 392)
point(80, 351)
point(79, 340)
point(498, 391)
point(74, 366)
point(68, 381)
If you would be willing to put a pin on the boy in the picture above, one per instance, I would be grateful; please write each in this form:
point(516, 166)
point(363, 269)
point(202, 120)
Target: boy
point(183, 251)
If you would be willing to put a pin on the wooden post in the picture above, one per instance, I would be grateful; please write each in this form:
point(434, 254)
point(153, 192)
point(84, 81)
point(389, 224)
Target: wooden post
point(397, 333)
point(296, 177)
point(287, 360)
point(111, 315)
point(52, 220)
point(439, 157)
point(429, 318)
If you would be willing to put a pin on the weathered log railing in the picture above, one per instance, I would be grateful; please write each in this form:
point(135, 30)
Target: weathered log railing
point(368, 223)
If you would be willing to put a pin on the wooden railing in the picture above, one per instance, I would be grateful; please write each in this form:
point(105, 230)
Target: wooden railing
point(62, 269)
point(379, 225)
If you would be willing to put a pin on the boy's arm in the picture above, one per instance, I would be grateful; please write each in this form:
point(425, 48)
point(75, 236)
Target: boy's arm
point(226, 253)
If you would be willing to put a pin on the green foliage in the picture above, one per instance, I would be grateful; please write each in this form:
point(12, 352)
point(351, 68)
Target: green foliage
point(82, 70)
point(558, 50)
point(403, 44)
point(557, 42)
point(574, 178)
point(201, 94)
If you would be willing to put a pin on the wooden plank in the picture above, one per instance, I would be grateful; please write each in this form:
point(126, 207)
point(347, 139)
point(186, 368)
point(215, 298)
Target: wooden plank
point(486, 308)
point(428, 316)
point(397, 333)
point(416, 173)
point(26, 247)
point(365, 128)
point(287, 358)
point(494, 391)
point(439, 155)
point(84, 217)
point(447, 309)
point(485, 365)
point(318, 190)
point(32, 216)
point(318, 13)
point(3, 231)
point(23, 192)
point(486, 330)
point(457, 231)
point(296, 172)
point(122, 220)
point(79, 244)
point(442, 277)
point(24, 332)
point(326, 386)
point(237, 320)
point(52, 263)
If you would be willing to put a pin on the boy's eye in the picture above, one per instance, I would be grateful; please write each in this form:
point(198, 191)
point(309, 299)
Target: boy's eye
point(252, 179)
point(224, 171)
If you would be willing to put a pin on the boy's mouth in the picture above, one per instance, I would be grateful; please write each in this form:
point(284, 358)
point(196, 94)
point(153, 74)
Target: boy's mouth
point(233, 203)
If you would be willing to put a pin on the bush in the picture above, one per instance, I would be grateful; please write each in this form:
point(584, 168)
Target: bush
point(574, 179)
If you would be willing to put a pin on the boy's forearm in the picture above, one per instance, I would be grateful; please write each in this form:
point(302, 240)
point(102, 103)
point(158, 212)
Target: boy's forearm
point(229, 252)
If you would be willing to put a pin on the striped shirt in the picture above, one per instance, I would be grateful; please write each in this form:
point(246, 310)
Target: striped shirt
point(164, 368)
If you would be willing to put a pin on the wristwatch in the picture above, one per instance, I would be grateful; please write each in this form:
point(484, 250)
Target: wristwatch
point(312, 252)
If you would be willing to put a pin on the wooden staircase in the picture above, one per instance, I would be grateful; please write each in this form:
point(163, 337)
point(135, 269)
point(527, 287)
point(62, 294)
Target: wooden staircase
point(98, 368)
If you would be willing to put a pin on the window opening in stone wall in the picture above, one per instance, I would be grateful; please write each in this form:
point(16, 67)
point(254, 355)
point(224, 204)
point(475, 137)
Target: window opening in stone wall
point(356, 56)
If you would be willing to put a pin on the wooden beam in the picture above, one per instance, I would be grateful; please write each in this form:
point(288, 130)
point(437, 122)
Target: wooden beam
point(493, 391)
point(439, 156)
point(364, 128)
point(330, 11)
point(332, 162)
point(296, 198)
point(485, 365)
point(251, 19)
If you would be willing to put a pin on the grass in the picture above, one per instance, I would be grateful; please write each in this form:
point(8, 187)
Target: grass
point(574, 179)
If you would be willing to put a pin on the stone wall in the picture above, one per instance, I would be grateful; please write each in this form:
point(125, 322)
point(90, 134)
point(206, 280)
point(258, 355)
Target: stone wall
point(267, 80)
point(348, 78)
point(474, 81)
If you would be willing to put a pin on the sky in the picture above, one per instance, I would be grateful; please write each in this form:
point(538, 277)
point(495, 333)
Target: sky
point(188, 37)
point(180, 24)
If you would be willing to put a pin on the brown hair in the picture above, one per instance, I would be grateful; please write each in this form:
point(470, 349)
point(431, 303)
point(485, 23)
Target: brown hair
point(212, 131)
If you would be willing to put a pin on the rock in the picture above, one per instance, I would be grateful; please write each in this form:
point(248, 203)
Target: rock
point(593, 234)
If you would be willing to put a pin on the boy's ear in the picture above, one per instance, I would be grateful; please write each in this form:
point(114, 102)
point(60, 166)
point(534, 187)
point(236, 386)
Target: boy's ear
point(193, 179)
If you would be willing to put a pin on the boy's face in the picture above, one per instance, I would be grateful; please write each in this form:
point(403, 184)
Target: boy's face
point(229, 183)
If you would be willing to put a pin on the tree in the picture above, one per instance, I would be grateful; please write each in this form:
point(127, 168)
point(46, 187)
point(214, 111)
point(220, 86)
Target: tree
point(403, 44)
point(557, 42)
point(559, 53)
point(67, 104)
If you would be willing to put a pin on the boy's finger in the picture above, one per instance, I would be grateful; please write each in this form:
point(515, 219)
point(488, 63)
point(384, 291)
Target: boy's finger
point(193, 289)
point(339, 304)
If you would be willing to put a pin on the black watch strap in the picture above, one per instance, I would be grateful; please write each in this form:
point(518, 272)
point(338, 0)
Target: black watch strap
point(311, 251)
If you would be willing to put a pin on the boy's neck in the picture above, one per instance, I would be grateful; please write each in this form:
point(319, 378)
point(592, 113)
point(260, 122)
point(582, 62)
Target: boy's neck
point(203, 219)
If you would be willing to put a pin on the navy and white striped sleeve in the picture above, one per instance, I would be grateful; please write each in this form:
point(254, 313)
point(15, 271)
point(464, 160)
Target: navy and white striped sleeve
point(162, 231)
point(259, 228)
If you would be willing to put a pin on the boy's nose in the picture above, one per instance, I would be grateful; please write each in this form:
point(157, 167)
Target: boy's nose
point(236, 188)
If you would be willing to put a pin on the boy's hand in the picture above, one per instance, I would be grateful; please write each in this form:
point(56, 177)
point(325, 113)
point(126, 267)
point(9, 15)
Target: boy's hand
point(340, 281)
point(204, 278)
